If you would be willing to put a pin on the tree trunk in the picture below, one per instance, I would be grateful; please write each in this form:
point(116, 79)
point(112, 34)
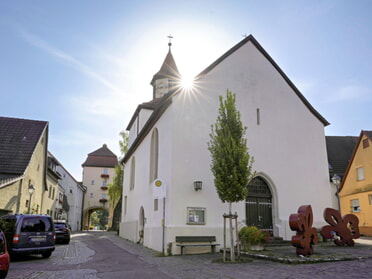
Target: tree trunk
point(232, 250)
point(237, 236)
point(224, 238)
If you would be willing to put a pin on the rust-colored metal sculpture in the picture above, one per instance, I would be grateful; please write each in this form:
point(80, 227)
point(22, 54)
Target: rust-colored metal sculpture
point(306, 235)
point(346, 228)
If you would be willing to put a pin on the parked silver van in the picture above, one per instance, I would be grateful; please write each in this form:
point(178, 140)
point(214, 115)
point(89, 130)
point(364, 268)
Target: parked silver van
point(29, 234)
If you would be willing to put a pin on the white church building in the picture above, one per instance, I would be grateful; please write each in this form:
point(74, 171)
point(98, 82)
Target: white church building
point(168, 154)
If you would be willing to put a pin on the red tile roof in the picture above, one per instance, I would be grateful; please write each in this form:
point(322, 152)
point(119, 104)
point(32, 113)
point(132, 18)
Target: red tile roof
point(102, 157)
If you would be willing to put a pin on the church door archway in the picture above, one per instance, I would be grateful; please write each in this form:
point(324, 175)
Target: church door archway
point(259, 205)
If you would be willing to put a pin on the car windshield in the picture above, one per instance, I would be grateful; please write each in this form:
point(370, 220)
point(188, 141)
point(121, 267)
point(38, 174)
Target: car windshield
point(60, 225)
point(36, 224)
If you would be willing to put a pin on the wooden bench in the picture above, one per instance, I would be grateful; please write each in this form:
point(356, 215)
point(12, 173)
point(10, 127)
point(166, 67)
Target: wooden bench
point(194, 241)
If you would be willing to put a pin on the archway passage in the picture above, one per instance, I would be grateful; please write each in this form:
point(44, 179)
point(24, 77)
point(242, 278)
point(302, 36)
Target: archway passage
point(95, 218)
point(259, 205)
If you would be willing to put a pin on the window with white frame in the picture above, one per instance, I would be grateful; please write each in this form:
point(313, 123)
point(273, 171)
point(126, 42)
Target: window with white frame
point(360, 173)
point(104, 182)
point(105, 171)
point(355, 205)
point(103, 196)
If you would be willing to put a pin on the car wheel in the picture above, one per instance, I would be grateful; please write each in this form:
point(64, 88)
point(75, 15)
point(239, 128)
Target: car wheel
point(46, 254)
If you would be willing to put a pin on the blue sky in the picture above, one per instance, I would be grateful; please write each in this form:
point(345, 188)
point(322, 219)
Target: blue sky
point(85, 65)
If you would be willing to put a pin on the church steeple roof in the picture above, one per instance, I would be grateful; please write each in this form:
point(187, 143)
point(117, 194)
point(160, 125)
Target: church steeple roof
point(168, 69)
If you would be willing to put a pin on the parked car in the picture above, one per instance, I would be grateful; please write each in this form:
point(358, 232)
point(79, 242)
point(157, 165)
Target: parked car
point(4, 256)
point(28, 234)
point(63, 231)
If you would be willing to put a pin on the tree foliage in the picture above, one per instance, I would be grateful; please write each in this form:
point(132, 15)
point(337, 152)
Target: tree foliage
point(123, 143)
point(99, 219)
point(231, 162)
point(115, 188)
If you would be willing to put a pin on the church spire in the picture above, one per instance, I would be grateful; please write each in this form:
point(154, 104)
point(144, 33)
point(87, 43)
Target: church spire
point(167, 77)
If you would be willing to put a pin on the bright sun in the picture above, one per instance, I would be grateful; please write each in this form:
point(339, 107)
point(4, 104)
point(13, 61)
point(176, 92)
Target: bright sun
point(187, 82)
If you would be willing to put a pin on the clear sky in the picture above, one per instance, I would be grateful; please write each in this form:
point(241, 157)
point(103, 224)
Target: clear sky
point(85, 65)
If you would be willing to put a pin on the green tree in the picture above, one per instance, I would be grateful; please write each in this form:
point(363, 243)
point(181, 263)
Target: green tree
point(231, 163)
point(115, 189)
point(123, 143)
point(99, 219)
point(94, 219)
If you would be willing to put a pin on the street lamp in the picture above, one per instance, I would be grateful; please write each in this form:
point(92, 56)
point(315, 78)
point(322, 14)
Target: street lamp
point(336, 180)
point(31, 190)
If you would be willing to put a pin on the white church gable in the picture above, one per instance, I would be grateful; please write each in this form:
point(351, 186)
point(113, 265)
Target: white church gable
point(285, 135)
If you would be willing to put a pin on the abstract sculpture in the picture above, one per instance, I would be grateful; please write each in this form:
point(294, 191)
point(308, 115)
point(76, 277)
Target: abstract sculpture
point(306, 235)
point(346, 228)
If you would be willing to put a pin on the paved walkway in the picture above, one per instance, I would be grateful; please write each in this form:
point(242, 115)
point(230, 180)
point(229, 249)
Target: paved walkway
point(336, 262)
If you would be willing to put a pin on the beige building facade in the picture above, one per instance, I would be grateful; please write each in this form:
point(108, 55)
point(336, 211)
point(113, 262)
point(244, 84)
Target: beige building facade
point(23, 157)
point(98, 172)
point(356, 187)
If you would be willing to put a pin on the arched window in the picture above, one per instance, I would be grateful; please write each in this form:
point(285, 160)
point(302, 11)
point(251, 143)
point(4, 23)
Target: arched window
point(132, 173)
point(154, 149)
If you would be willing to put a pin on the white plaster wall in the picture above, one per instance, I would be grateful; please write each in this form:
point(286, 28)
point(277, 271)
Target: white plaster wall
point(288, 145)
point(139, 122)
point(74, 196)
point(144, 115)
point(142, 194)
point(133, 131)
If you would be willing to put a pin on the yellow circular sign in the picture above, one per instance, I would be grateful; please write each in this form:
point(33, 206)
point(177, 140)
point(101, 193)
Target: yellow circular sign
point(158, 183)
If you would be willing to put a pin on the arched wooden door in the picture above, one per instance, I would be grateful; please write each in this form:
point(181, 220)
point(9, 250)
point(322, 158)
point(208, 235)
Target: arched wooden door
point(259, 205)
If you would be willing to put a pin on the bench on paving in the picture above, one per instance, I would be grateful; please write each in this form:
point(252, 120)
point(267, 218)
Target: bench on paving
point(194, 241)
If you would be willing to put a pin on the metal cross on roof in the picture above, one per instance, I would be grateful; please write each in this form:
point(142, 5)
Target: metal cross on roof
point(170, 40)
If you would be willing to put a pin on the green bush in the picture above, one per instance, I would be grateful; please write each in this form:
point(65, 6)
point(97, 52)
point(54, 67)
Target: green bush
point(252, 236)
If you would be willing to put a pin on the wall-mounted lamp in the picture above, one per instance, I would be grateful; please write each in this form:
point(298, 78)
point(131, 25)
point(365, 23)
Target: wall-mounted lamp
point(336, 180)
point(198, 185)
point(31, 190)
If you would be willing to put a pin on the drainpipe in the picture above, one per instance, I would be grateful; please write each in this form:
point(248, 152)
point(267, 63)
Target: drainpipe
point(82, 206)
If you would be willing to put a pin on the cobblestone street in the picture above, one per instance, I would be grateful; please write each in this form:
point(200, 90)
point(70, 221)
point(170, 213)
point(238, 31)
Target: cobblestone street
point(104, 255)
